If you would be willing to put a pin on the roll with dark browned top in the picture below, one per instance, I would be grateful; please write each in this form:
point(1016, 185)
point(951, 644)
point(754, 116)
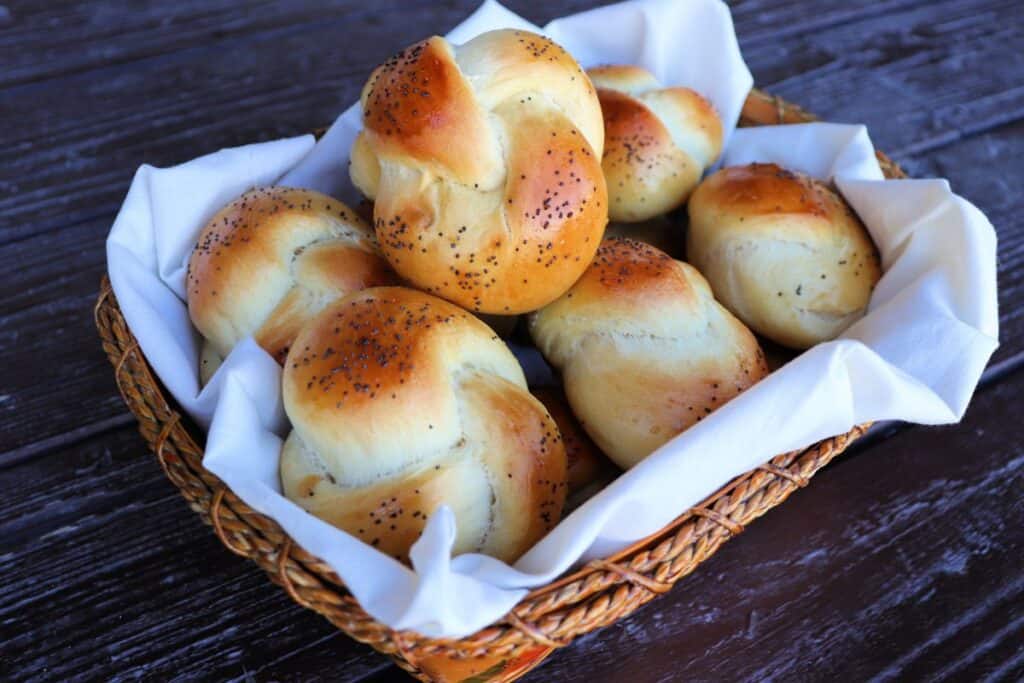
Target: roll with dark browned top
point(484, 164)
point(401, 402)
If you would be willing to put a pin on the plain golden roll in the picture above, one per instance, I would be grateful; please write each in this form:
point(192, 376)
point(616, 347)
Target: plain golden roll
point(658, 141)
point(484, 164)
point(644, 349)
point(783, 252)
point(270, 260)
point(401, 402)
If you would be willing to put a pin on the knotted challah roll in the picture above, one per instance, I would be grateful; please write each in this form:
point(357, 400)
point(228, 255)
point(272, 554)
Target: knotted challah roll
point(268, 261)
point(484, 164)
point(658, 141)
point(401, 402)
point(644, 349)
point(783, 252)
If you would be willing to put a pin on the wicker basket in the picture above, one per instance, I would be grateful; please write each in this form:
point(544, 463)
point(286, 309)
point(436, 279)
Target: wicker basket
point(598, 594)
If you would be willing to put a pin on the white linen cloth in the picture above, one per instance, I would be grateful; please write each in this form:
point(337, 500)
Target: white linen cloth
point(916, 356)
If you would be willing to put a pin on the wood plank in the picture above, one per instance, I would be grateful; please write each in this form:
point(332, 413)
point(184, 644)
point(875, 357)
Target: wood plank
point(42, 41)
point(58, 379)
point(106, 571)
point(919, 75)
point(227, 92)
point(94, 152)
point(126, 114)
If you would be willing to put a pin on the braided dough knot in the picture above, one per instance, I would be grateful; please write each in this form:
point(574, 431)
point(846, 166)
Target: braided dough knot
point(401, 402)
point(269, 261)
point(484, 162)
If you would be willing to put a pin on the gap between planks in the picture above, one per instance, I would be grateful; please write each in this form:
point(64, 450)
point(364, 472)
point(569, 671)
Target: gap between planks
point(17, 456)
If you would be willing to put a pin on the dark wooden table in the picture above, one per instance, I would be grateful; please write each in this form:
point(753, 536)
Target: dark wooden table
point(902, 560)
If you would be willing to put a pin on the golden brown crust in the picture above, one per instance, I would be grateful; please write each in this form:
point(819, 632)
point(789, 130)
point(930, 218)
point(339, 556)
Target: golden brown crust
point(391, 388)
point(783, 252)
point(507, 66)
point(524, 452)
point(643, 348)
point(586, 464)
point(634, 282)
point(541, 240)
point(627, 273)
point(647, 174)
point(760, 189)
point(491, 193)
point(373, 350)
point(700, 115)
point(388, 517)
point(418, 106)
point(270, 259)
point(631, 125)
point(658, 141)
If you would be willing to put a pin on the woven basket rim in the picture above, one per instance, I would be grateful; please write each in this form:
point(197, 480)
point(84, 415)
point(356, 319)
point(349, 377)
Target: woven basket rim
point(596, 594)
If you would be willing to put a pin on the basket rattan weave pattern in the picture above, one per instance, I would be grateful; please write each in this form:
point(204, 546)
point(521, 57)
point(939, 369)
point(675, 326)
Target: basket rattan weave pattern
point(597, 594)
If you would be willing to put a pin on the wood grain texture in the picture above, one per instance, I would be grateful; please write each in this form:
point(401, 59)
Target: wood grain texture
point(920, 75)
point(226, 84)
point(106, 571)
point(849, 580)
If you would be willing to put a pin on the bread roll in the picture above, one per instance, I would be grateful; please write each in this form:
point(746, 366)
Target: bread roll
point(269, 260)
point(658, 141)
point(644, 349)
point(586, 464)
point(401, 402)
point(783, 252)
point(483, 161)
